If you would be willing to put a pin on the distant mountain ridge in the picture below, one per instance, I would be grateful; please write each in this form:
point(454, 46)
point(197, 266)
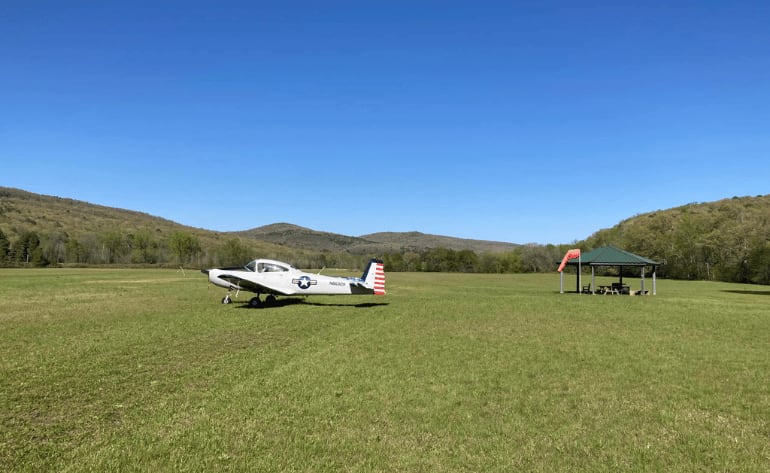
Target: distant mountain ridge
point(295, 236)
point(21, 210)
point(419, 240)
point(383, 242)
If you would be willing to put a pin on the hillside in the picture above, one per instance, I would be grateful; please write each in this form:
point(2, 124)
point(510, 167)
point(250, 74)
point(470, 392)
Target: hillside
point(25, 211)
point(47, 229)
point(81, 232)
point(726, 240)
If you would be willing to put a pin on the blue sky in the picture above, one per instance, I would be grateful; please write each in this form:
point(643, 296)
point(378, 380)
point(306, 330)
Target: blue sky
point(510, 121)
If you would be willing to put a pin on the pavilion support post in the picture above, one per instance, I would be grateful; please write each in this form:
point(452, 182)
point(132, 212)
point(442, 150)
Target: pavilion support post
point(577, 280)
point(654, 286)
point(580, 271)
point(642, 279)
point(593, 280)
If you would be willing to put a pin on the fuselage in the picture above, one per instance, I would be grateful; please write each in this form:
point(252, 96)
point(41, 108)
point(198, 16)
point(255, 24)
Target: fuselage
point(266, 276)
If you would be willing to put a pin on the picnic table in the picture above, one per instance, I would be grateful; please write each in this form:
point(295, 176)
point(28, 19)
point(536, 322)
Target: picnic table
point(614, 288)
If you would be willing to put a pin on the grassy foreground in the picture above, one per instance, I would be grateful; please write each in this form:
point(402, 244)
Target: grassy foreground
point(143, 370)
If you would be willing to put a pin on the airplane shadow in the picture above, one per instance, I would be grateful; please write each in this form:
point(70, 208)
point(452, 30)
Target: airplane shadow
point(363, 305)
point(753, 293)
point(284, 302)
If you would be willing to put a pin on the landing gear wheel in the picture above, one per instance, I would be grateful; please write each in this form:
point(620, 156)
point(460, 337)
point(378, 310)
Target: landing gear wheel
point(226, 299)
point(270, 300)
point(255, 302)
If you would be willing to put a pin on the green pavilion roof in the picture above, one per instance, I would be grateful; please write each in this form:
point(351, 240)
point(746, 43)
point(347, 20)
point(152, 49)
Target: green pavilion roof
point(611, 256)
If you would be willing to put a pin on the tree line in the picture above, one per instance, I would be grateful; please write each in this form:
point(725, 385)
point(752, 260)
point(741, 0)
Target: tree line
point(147, 248)
point(523, 259)
point(112, 247)
point(143, 247)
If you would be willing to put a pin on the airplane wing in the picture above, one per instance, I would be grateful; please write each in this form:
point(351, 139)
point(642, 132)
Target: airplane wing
point(247, 285)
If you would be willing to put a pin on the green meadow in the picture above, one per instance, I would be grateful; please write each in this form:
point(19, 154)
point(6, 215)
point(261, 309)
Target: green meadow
point(144, 370)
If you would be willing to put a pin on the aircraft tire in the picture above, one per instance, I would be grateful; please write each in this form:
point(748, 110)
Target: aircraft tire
point(270, 300)
point(254, 302)
point(226, 300)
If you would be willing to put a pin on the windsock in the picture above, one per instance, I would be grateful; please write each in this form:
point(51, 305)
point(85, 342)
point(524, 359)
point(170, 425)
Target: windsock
point(570, 255)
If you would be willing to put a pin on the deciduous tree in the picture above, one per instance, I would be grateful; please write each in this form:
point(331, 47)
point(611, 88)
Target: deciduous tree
point(184, 246)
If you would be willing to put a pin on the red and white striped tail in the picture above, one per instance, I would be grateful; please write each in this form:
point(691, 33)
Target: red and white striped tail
point(379, 279)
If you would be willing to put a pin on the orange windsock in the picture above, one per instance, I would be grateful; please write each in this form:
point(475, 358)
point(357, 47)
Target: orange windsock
point(570, 255)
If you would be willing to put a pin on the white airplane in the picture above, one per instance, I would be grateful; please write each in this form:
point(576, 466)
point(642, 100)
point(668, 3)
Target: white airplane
point(266, 276)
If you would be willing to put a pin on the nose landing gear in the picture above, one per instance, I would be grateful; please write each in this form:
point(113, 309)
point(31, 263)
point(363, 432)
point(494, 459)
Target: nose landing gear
point(227, 299)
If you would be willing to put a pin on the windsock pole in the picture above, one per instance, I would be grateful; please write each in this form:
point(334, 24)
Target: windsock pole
point(570, 254)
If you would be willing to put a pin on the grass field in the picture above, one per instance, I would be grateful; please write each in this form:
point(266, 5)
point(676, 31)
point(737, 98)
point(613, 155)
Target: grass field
point(144, 370)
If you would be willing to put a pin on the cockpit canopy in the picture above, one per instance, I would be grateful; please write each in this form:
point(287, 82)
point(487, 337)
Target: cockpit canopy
point(267, 266)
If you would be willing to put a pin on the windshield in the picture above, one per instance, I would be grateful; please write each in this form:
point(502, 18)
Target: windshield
point(252, 266)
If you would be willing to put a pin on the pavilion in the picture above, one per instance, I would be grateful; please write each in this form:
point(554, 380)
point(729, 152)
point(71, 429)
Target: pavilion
point(611, 256)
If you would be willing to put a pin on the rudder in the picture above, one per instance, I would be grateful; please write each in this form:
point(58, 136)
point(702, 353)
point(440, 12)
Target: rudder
point(374, 277)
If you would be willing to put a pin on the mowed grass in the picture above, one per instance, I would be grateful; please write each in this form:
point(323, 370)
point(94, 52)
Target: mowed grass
point(144, 370)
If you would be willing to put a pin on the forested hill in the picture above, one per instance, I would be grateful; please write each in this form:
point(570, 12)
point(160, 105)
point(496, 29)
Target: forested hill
point(727, 240)
point(40, 230)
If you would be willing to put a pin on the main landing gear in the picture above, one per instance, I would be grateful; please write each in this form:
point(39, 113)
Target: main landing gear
point(254, 302)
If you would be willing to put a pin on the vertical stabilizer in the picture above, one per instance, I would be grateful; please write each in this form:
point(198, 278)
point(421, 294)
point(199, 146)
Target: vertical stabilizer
point(374, 277)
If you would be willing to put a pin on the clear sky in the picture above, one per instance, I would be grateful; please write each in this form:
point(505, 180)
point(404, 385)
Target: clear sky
point(517, 121)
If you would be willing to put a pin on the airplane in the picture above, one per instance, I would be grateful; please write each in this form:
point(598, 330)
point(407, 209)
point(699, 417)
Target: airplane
point(271, 277)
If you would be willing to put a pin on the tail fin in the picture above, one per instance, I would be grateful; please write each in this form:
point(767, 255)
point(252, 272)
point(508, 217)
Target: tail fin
point(374, 277)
